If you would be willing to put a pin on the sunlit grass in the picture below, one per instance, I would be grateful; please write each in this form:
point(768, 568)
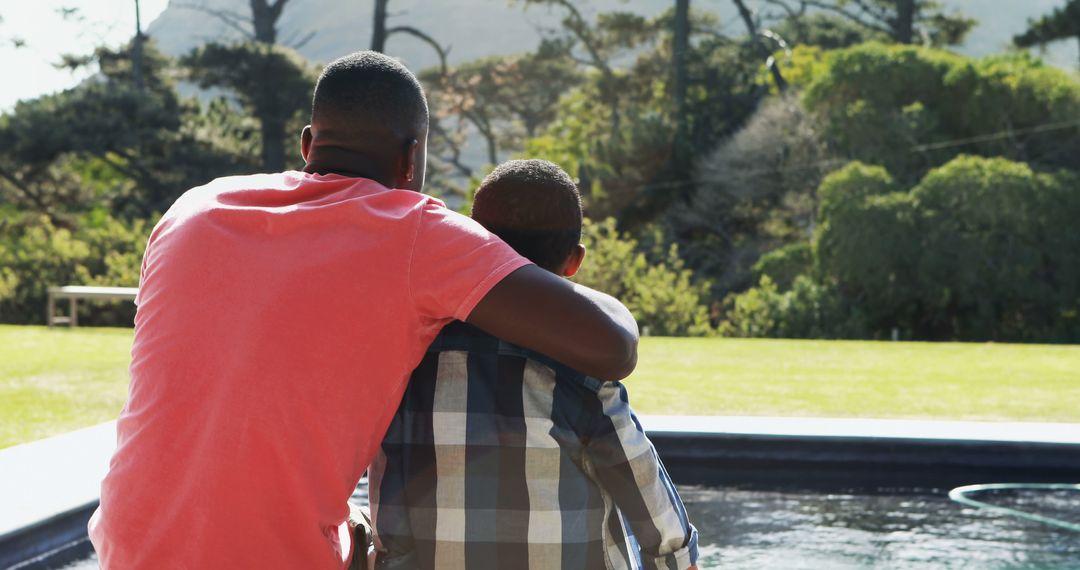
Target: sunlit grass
point(857, 379)
point(53, 381)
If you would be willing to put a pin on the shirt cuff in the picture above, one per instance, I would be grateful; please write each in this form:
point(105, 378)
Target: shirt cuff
point(681, 559)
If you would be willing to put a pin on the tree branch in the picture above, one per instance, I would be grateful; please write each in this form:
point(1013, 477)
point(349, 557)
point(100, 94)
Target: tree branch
point(439, 49)
point(857, 18)
point(25, 190)
point(227, 17)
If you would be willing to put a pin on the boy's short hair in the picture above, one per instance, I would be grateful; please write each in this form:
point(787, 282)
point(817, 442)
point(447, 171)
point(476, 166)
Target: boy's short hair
point(535, 207)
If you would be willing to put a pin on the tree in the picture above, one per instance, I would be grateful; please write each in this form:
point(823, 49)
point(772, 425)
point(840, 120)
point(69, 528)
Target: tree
point(827, 31)
point(911, 109)
point(259, 59)
point(596, 45)
point(1061, 24)
point(759, 38)
point(259, 25)
point(271, 82)
point(108, 140)
point(506, 98)
point(905, 21)
point(976, 251)
point(654, 284)
point(631, 174)
point(754, 192)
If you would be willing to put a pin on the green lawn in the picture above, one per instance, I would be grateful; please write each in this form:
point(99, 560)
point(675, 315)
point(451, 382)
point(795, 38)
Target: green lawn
point(52, 381)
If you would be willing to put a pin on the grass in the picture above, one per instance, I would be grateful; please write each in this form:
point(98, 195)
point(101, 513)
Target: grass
point(857, 379)
point(52, 381)
point(58, 380)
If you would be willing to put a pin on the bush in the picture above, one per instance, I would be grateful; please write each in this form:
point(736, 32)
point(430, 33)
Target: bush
point(36, 255)
point(890, 105)
point(981, 249)
point(808, 310)
point(782, 266)
point(660, 293)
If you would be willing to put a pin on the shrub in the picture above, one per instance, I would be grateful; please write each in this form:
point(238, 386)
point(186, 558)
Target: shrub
point(36, 255)
point(785, 264)
point(981, 249)
point(807, 310)
point(662, 294)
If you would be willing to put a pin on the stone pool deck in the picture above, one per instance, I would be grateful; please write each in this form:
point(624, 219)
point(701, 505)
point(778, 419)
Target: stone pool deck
point(49, 488)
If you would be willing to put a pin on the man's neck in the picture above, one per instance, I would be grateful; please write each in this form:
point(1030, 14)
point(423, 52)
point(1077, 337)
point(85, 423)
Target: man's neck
point(334, 160)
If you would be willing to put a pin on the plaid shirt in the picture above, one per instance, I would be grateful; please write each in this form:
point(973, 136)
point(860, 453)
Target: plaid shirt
point(499, 457)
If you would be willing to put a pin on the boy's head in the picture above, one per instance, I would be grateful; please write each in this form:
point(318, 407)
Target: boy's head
point(535, 207)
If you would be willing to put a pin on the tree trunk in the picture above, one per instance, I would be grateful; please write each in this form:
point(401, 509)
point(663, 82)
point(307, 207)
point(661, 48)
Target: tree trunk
point(904, 25)
point(680, 47)
point(378, 29)
point(1076, 23)
point(137, 50)
point(273, 139)
point(264, 20)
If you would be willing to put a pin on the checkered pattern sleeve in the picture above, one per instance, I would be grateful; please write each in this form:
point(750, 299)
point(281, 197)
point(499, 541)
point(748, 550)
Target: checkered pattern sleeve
point(626, 465)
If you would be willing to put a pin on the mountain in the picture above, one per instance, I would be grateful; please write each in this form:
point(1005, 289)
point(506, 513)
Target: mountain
point(478, 28)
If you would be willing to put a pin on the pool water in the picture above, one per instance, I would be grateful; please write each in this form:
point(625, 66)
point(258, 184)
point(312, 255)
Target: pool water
point(892, 529)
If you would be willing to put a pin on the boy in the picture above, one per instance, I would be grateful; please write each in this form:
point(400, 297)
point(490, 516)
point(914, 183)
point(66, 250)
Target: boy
point(500, 457)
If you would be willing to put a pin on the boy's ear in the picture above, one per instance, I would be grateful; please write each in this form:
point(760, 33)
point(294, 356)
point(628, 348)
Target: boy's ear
point(573, 263)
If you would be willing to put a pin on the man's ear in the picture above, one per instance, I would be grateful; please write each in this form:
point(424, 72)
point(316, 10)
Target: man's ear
point(409, 177)
point(305, 142)
point(573, 263)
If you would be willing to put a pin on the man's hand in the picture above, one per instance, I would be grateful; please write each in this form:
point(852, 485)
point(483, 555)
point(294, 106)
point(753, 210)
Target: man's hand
point(582, 328)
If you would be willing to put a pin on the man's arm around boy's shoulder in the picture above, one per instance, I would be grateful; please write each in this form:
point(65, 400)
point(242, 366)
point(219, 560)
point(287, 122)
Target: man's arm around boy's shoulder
point(626, 465)
point(580, 327)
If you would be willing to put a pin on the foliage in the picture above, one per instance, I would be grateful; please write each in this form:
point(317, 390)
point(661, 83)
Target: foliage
point(826, 31)
point(756, 191)
point(912, 109)
point(660, 292)
point(626, 168)
point(36, 255)
point(506, 98)
point(903, 21)
point(785, 264)
point(108, 140)
point(973, 252)
point(247, 70)
point(807, 310)
point(1063, 23)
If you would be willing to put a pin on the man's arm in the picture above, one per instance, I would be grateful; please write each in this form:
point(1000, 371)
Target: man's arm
point(582, 328)
point(624, 463)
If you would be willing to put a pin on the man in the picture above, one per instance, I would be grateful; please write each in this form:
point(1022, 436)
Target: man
point(499, 457)
point(279, 318)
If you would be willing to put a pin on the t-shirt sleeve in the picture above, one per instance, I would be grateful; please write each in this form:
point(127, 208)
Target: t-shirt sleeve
point(455, 262)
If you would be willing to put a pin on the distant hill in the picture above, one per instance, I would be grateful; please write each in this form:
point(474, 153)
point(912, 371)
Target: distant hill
point(477, 28)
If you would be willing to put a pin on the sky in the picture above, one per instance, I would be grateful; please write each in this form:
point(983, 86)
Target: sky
point(28, 71)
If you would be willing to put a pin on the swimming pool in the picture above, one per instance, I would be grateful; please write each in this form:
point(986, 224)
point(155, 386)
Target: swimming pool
point(894, 529)
point(898, 529)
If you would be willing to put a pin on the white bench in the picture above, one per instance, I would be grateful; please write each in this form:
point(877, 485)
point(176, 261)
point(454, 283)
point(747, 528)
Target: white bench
point(74, 292)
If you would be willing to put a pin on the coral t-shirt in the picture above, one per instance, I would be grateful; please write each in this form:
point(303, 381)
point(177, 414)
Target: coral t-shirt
point(279, 319)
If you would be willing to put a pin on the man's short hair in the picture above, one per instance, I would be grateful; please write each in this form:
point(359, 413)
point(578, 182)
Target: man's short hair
point(535, 207)
point(366, 90)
